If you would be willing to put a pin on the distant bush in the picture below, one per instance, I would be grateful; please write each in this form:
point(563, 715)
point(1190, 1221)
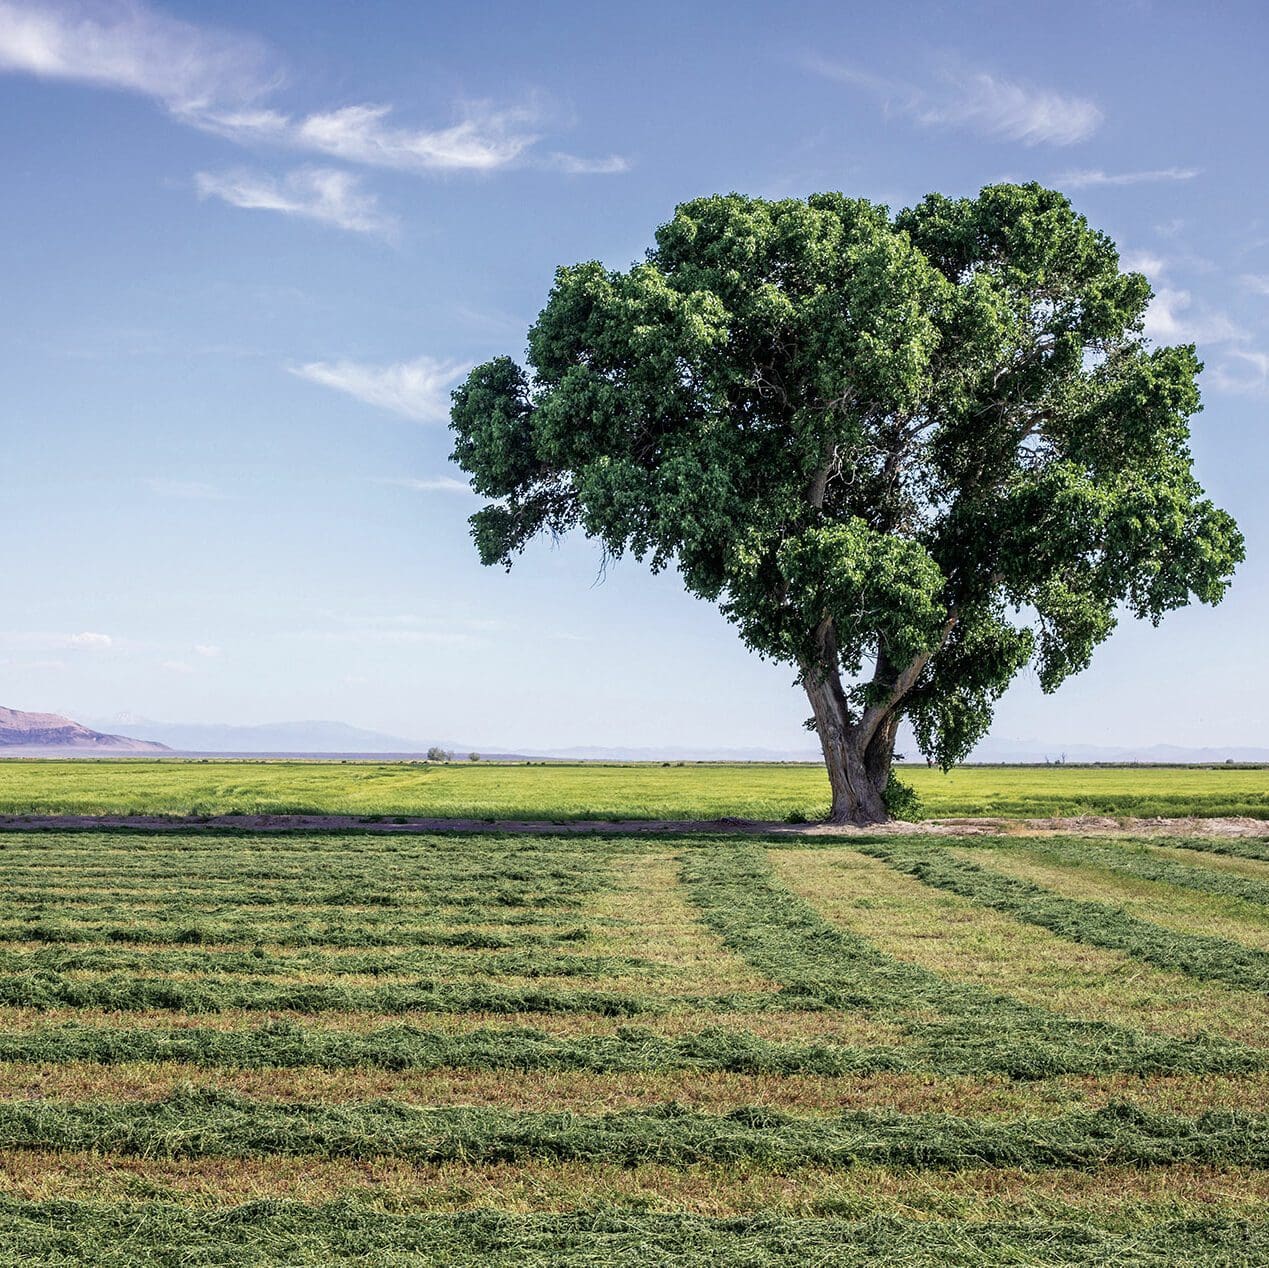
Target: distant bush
point(473, 757)
point(436, 754)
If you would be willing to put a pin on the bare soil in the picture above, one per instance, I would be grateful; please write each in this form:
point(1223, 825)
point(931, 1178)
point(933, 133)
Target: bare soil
point(1088, 824)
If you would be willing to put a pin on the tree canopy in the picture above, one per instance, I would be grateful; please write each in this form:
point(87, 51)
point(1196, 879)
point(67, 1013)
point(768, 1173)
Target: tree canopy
point(906, 454)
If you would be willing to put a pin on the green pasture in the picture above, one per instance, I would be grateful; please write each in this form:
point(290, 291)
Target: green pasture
point(765, 791)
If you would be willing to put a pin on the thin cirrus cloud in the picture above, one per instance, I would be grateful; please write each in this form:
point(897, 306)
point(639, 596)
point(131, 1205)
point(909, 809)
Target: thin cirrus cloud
point(433, 484)
point(417, 389)
point(1085, 178)
point(324, 194)
point(116, 44)
point(220, 82)
point(979, 102)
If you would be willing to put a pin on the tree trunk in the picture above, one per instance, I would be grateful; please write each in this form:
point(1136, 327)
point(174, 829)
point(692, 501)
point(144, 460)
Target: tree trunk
point(857, 776)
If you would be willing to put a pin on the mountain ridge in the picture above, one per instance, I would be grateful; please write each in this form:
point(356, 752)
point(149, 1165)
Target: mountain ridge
point(21, 731)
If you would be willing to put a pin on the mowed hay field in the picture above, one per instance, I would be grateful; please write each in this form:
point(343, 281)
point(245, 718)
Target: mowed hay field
point(495, 1050)
point(558, 791)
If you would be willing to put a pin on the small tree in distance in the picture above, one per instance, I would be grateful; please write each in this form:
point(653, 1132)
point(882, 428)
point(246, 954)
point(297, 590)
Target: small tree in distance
point(906, 455)
point(473, 757)
point(437, 754)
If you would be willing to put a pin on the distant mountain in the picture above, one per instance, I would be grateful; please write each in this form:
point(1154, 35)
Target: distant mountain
point(671, 753)
point(273, 737)
point(39, 733)
point(1035, 751)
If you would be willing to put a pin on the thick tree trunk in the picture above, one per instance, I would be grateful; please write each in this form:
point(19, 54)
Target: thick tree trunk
point(857, 775)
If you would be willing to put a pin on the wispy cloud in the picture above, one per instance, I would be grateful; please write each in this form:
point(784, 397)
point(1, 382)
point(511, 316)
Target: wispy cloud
point(1144, 262)
point(416, 389)
point(980, 102)
point(1085, 177)
point(485, 138)
point(1173, 317)
point(86, 641)
point(576, 166)
point(1245, 371)
point(186, 490)
point(177, 667)
point(221, 82)
point(209, 650)
point(89, 640)
point(124, 45)
point(1257, 282)
point(436, 484)
point(314, 193)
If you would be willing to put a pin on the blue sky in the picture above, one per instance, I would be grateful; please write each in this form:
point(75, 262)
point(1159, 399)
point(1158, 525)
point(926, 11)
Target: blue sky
point(246, 250)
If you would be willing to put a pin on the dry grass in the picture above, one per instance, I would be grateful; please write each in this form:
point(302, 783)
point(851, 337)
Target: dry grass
point(644, 913)
point(707, 1092)
point(702, 1190)
point(958, 938)
point(778, 1026)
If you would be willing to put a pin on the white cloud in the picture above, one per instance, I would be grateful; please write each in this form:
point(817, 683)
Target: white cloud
point(1082, 178)
point(125, 45)
point(89, 640)
point(485, 138)
point(981, 102)
point(437, 484)
point(1173, 318)
point(416, 389)
point(1257, 282)
point(1248, 372)
point(1143, 262)
point(315, 193)
point(209, 650)
point(177, 667)
point(220, 82)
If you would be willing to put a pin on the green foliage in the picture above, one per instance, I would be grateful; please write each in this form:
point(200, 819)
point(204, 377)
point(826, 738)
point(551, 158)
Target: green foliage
point(936, 441)
point(902, 800)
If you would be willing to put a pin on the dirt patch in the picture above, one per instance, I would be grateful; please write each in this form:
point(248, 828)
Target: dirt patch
point(1100, 825)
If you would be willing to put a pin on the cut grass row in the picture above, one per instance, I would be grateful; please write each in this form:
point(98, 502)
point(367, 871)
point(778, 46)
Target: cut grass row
point(626, 1049)
point(212, 1124)
point(1143, 861)
point(1182, 910)
point(1097, 924)
point(1122, 1195)
point(268, 1233)
point(582, 1091)
point(974, 945)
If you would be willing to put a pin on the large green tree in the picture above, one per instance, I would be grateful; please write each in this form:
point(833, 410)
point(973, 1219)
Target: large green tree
point(906, 454)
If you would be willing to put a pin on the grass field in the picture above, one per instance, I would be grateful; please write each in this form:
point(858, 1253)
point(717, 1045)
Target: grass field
point(489, 1050)
point(639, 791)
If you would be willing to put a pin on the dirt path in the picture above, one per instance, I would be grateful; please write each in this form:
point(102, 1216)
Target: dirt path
point(1089, 824)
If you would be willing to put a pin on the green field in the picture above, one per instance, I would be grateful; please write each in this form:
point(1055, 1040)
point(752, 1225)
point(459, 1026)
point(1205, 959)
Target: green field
point(458, 1049)
point(634, 791)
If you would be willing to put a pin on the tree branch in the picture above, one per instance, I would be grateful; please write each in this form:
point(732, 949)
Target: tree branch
point(875, 714)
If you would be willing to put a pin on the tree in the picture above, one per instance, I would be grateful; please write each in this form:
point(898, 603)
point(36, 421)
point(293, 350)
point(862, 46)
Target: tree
point(906, 455)
point(437, 754)
point(473, 757)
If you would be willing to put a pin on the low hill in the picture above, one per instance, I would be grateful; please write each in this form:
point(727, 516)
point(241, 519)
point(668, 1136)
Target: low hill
point(40, 733)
